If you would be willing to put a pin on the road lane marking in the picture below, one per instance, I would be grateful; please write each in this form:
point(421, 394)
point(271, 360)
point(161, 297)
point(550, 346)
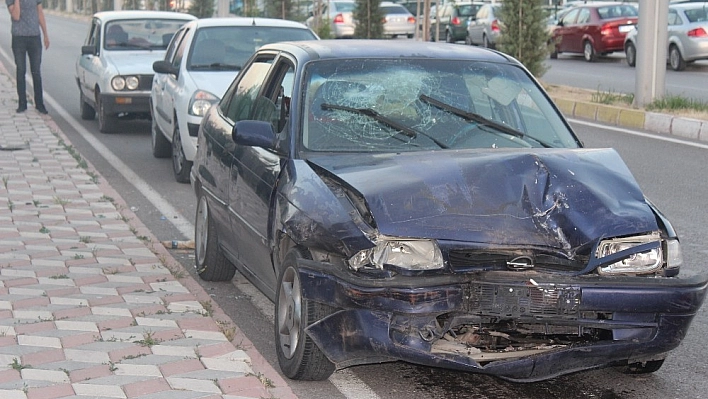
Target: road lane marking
point(655, 136)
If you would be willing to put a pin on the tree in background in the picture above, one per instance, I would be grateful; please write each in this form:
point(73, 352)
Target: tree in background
point(202, 8)
point(524, 35)
point(369, 19)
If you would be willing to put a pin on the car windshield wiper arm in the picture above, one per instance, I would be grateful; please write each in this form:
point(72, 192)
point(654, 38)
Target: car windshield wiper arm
point(412, 133)
point(472, 117)
point(217, 65)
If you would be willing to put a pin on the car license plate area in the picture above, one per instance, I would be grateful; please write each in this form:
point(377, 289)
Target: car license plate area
point(514, 301)
point(625, 28)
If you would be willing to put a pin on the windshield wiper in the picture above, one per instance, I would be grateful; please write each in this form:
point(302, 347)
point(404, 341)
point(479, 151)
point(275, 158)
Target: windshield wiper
point(472, 117)
point(412, 133)
point(217, 65)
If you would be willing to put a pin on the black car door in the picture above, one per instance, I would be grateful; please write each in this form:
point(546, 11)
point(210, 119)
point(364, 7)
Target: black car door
point(254, 172)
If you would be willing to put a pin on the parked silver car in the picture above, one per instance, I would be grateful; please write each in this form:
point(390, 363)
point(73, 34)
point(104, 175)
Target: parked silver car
point(114, 70)
point(486, 27)
point(688, 36)
point(398, 21)
point(338, 14)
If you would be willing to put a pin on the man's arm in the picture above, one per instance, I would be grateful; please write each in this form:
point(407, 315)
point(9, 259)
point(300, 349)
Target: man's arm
point(42, 24)
point(15, 10)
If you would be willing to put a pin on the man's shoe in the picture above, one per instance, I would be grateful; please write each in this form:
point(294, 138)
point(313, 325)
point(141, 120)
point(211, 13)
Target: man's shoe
point(21, 108)
point(42, 110)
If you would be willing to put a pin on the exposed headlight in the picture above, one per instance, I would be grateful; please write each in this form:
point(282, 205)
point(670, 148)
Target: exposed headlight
point(132, 82)
point(638, 263)
point(403, 253)
point(118, 83)
point(201, 102)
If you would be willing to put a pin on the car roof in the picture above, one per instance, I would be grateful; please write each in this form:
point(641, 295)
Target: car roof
point(360, 48)
point(688, 5)
point(139, 14)
point(247, 21)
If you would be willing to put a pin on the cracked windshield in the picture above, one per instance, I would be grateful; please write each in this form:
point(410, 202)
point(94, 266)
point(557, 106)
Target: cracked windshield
point(422, 104)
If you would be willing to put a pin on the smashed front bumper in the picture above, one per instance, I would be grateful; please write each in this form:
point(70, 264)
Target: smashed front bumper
point(617, 320)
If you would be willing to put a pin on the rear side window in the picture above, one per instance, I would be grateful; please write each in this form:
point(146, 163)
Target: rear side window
point(617, 11)
point(697, 15)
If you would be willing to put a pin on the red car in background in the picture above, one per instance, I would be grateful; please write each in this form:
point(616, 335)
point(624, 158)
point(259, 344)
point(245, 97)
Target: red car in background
point(594, 29)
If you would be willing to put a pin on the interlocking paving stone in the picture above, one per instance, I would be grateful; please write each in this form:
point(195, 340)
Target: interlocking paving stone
point(88, 310)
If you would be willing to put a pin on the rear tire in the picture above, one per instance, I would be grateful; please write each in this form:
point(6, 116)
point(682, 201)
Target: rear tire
point(298, 356)
point(676, 59)
point(210, 261)
point(180, 165)
point(589, 51)
point(448, 37)
point(485, 42)
point(631, 54)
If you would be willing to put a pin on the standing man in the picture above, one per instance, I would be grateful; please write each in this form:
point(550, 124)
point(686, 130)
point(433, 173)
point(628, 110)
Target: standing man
point(27, 20)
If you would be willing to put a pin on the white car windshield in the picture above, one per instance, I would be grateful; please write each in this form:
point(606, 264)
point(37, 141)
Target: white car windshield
point(137, 34)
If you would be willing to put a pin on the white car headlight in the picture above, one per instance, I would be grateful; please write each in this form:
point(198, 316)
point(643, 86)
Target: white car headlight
point(132, 82)
point(201, 102)
point(404, 253)
point(639, 263)
point(118, 83)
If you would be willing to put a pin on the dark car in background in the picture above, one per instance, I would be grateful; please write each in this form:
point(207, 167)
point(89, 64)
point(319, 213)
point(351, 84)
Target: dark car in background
point(452, 19)
point(688, 36)
point(426, 202)
point(594, 29)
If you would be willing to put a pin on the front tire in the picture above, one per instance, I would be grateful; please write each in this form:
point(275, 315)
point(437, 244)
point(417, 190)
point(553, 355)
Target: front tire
point(631, 54)
point(87, 111)
point(160, 146)
point(298, 356)
point(210, 261)
point(106, 121)
point(180, 165)
point(589, 51)
point(676, 59)
point(644, 367)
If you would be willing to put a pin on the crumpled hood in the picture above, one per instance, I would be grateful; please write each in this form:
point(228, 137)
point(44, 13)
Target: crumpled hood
point(562, 198)
point(134, 62)
point(215, 82)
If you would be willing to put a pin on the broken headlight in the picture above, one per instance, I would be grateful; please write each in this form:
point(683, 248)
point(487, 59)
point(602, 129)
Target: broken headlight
point(404, 253)
point(642, 262)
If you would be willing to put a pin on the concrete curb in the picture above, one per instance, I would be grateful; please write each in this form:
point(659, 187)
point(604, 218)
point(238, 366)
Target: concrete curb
point(689, 128)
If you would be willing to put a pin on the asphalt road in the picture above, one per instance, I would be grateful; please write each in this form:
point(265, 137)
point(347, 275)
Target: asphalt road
point(669, 173)
point(612, 74)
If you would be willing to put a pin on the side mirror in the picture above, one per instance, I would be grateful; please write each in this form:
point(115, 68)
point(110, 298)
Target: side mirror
point(164, 67)
point(254, 134)
point(88, 50)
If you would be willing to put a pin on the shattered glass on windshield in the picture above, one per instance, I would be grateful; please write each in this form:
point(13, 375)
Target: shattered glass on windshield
point(423, 104)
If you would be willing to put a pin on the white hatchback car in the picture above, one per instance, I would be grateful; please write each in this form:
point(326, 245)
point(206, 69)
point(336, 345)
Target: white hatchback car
point(114, 71)
point(201, 61)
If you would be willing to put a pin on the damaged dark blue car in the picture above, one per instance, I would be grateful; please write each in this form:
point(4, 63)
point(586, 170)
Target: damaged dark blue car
point(428, 203)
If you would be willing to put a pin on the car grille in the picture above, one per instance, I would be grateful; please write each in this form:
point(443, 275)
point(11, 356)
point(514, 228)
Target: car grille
point(475, 260)
point(500, 300)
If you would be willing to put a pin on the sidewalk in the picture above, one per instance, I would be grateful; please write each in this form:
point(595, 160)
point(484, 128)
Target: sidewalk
point(91, 304)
